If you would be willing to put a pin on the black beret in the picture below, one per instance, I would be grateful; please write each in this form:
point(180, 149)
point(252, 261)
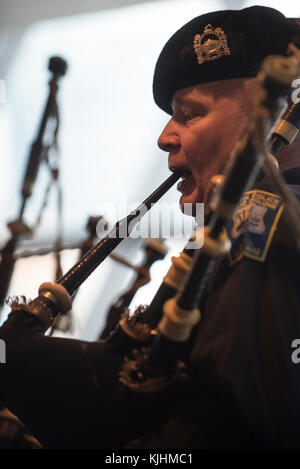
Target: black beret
point(219, 46)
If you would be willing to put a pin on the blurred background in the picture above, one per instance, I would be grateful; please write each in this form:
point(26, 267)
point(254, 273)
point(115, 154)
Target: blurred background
point(109, 126)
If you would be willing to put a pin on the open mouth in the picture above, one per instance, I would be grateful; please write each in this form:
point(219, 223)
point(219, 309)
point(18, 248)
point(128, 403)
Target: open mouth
point(187, 182)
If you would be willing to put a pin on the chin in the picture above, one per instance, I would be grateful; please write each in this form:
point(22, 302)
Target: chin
point(192, 199)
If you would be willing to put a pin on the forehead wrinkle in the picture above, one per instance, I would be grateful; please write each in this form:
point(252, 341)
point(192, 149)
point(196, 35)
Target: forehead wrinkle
point(211, 92)
point(190, 97)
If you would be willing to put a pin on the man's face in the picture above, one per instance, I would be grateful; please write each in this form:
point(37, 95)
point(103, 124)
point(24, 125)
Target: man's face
point(207, 121)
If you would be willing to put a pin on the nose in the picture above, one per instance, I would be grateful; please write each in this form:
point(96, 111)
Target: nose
point(169, 139)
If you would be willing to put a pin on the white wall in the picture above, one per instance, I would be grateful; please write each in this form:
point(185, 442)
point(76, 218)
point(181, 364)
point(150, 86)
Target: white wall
point(15, 13)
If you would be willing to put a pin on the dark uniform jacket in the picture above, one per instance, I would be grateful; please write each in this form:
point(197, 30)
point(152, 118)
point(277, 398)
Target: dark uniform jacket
point(243, 382)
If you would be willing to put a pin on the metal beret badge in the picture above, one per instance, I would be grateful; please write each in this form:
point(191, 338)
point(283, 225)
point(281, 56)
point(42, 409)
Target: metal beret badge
point(211, 44)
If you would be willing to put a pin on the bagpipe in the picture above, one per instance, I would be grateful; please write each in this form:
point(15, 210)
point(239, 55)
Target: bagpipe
point(44, 142)
point(148, 351)
point(153, 340)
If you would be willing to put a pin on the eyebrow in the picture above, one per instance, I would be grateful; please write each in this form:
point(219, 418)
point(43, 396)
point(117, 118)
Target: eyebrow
point(187, 101)
point(182, 101)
